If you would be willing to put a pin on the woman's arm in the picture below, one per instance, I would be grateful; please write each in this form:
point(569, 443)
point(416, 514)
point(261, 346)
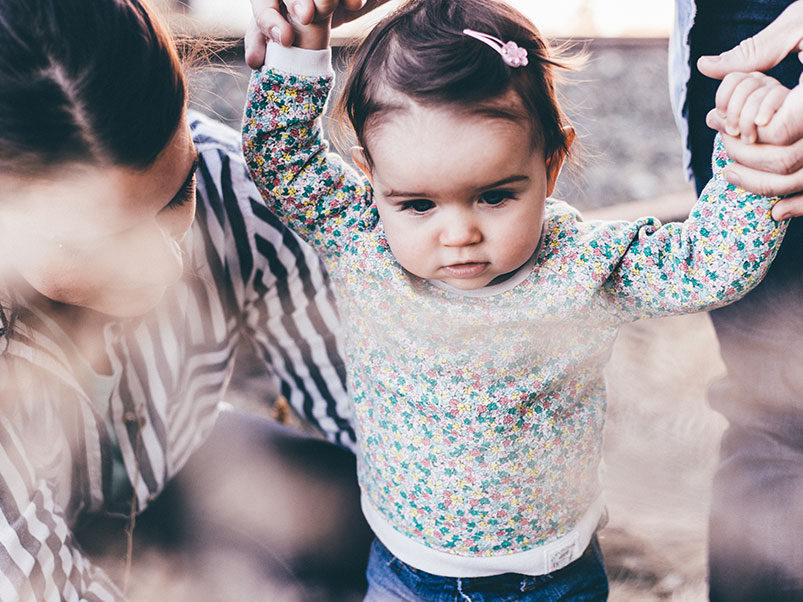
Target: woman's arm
point(279, 287)
point(38, 556)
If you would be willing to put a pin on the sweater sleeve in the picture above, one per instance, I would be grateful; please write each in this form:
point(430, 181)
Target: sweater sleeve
point(39, 559)
point(716, 256)
point(310, 189)
point(273, 282)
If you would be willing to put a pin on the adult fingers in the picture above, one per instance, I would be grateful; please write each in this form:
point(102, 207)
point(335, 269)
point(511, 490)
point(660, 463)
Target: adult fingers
point(762, 51)
point(255, 45)
point(763, 182)
point(770, 158)
point(791, 206)
point(353, 9)
point(786, 126)
point(352, 5)
point(271, 21)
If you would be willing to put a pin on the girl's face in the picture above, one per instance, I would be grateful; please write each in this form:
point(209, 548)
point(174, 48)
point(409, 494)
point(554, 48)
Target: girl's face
point(103, 238)
point(461, 195)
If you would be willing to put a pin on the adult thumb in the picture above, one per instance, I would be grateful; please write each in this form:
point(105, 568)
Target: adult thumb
point(762, 51)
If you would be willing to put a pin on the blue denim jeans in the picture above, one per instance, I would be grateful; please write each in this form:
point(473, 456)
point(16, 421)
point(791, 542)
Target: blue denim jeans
point(391, 580)
point(756, 521)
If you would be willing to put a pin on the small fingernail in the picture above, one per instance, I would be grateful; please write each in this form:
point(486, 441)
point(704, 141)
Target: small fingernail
point(732, 177)
point(749, 138)
point(779, 214)
point(731, 131)
point(276, 34)
point(298, 10)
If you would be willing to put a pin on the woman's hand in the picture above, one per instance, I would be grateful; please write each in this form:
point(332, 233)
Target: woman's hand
point(761, 121)
point(773, 165)
point(303, 23)
point(764, 50)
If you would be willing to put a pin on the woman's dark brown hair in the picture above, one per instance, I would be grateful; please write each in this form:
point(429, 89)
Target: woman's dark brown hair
point(93, 81)
point(421, 52)
point(83, 81)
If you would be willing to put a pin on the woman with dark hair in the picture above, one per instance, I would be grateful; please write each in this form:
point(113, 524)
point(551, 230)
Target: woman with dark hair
point(136, 260)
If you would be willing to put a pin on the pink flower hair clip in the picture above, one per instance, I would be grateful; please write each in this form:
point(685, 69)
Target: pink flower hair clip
point(512, 54)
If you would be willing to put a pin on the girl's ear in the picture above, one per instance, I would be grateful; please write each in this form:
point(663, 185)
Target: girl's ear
point(358, 156)
point(555, 162)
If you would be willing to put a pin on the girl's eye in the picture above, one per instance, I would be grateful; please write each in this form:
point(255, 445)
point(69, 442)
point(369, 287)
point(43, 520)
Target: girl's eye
point(495, 197)
point(417, 205)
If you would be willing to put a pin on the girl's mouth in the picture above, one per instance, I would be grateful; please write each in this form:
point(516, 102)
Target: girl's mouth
point(465, 270)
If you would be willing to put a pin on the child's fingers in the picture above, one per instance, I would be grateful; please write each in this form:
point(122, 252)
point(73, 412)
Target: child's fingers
point(747, 116)
point(737, 96)
point(300, 11)
point(771, 103)
point(725, 90)
point(271, 21)
point(305, 12)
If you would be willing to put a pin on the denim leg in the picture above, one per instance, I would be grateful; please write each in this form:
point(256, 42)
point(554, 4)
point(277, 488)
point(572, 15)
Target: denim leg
point(391, 580)
point(756, 523)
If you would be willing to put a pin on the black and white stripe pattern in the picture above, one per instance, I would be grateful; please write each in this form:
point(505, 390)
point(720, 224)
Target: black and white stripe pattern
point(252, 283)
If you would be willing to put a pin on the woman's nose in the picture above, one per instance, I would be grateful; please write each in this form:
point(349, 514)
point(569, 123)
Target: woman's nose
point(459, 230)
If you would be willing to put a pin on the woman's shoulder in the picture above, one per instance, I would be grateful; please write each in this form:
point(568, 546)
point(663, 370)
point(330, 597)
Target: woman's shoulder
point(225, 190)
point(233, 226)
point(211, 134)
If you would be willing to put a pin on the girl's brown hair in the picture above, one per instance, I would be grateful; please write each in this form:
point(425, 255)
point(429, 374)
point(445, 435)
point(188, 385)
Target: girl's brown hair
point(421, 52)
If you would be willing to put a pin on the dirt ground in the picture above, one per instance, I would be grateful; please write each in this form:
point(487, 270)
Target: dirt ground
point(661, 437)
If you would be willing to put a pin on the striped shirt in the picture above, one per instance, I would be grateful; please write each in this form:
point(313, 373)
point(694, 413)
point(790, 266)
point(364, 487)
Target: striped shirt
point(251, 282)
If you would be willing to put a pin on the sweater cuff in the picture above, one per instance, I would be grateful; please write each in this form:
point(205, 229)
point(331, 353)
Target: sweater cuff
point(299, 61)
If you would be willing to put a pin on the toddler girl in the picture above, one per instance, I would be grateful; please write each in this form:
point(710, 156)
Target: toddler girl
point(479, 313)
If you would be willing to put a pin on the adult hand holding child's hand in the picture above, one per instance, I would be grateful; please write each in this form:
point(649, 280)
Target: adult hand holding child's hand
point(280, 21)
point(761, 121)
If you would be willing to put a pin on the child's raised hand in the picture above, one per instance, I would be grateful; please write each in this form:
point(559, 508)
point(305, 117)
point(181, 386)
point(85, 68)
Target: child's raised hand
point(747, 101)
point(303, 23)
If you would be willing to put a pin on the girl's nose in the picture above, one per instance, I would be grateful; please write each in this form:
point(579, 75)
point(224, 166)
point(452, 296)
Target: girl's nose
point(459, 230)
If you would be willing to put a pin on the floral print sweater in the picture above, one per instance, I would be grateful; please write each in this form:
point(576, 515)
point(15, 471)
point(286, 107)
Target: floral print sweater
point(480, 414)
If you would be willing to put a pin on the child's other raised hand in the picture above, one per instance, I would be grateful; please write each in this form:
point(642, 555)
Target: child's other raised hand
point(747, 101)
point(303, 23)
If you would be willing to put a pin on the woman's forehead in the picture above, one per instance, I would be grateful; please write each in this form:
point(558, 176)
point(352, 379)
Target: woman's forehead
point(83, 200)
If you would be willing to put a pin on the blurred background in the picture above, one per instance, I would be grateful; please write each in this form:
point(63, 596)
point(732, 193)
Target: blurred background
point(661, 437)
